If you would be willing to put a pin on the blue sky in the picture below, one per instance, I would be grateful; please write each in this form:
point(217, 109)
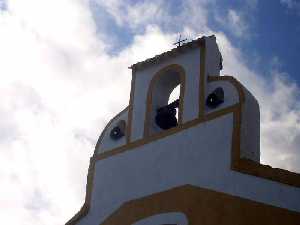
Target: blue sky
point(272, 27)
point(63, 70)
point(275, 29)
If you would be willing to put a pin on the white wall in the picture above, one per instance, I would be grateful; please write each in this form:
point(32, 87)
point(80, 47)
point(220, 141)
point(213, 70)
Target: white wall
point(250, 128)
point(199, 156)
point(190, 61)
point(213, 57)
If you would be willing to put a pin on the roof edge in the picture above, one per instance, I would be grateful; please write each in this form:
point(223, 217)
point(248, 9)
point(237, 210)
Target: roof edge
point(171, 53)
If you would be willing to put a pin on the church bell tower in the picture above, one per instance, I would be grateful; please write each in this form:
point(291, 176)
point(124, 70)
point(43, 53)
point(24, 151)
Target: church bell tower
point(191, 161)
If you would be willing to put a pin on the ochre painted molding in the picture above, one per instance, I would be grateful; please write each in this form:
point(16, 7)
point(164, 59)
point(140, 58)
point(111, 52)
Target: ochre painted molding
point(241, 165)
point(203, 207)
point(238, 164)
point(162, 72)
point(89, 189)
point(276, 174)
point(133, 145)
point(200, 45)
point(246, 165)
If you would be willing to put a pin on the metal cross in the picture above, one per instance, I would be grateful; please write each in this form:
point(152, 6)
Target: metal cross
point(179, 42)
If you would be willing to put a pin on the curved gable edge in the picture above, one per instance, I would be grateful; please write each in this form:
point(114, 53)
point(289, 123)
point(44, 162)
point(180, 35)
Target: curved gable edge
point(238, 164)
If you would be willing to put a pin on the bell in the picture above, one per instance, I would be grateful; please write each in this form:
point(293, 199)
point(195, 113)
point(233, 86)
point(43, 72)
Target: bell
point(118, 131)
point(215, 98)
point(166, 116)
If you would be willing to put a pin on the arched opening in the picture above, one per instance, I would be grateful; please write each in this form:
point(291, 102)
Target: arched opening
point(165, 100)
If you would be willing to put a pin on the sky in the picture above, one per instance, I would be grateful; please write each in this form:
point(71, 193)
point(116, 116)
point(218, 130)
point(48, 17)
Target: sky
point(64, 73)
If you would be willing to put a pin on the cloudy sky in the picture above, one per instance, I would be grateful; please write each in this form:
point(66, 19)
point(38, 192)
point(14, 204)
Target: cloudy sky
point(63, 69)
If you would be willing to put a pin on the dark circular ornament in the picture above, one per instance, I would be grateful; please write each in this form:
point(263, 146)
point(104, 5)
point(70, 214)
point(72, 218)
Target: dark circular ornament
point(215, 98)
point(118, 131)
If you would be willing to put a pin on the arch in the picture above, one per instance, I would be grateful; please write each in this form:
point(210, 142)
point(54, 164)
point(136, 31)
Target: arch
point(160, 88)
point(237, 164)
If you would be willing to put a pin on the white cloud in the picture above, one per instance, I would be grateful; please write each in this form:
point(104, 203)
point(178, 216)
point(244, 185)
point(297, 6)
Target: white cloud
point(53, 87)
point(234, 21)
point(192, 14)
point(291, 5)
point(133, 15)
point(59, 87)
point(279, 107)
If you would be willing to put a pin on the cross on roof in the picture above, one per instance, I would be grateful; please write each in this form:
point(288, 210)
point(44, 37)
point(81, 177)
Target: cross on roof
point(180, 41)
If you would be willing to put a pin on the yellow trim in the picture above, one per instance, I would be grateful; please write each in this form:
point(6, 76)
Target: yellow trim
point(133, 145)
point(89, 189)
point(155, 78)
point(241, 165)
point(245, 165)
point(202, 46)
point(202, 206)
